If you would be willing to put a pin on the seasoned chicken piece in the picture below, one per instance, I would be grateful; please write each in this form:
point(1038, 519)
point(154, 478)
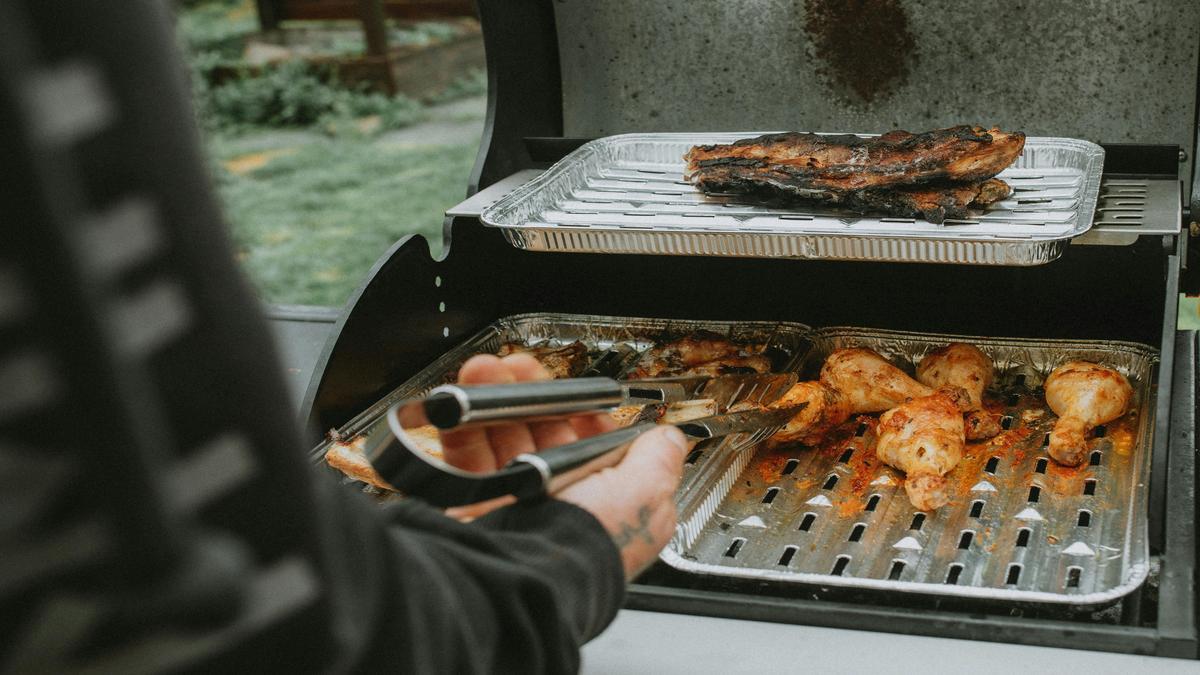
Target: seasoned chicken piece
point(1083, 395)
point(348, 457)
point(671, 413)
point(963, 365)
point(565, 361)
point(826, 409)
point(925, 438)
point(868, 382)
point(701, 353)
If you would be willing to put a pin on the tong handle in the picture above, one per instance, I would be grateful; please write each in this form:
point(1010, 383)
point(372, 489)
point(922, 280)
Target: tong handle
point(451, 405)
point(557, 462)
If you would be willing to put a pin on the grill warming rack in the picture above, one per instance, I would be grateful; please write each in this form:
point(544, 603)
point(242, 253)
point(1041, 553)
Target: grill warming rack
point(627, 194)
point(1020, 528)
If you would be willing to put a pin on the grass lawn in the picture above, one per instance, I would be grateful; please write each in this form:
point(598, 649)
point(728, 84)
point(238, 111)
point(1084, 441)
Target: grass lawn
point(310, 214)
point(312, 198)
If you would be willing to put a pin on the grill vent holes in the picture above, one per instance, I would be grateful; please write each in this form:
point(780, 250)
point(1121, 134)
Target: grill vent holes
point(788, 554)
point(693, 456)
point(1046, 441)
point(734, 547)
point(1085, 518)
point(862, 429)
point(1014, 574)
point(1023, 537)
point(917, 521)
point(991, 465)
point(1089, 486)
point(840, 565)
point(830, 482)
point(872, 503)
point(976, 508)
point(846, 455)
point(1101, 431)
point(1035, 493)
point(1013, 399)
point(896, 571)
point(1073, 574)
point(1041, 465)
point(790, 466)
point(807, 522)
point(1006, 422)
point(857, 533)
point(1096, 457)
point(952, 576)
point(964, 540)
point(770, 496)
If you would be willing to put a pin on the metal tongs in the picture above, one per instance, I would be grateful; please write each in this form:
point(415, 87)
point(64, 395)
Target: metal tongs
point(396, 455)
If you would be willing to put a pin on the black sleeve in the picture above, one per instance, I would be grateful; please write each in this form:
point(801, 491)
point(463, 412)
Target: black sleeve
point(159, 514)
point(517, 591)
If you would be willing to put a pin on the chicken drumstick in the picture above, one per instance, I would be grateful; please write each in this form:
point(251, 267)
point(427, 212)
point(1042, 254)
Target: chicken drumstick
point(1083, 395)
point(924, 438)
point(962, 365)
point(868, 382)
point(826, 409)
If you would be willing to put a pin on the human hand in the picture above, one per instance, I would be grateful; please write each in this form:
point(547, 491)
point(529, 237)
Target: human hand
point(633, 500)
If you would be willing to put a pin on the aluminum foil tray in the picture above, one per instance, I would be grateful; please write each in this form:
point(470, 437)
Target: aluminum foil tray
point(626, 194)
point(626, 337)
point(1019, 528)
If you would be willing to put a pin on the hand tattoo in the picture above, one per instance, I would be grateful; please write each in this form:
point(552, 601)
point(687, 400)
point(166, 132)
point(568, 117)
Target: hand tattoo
point(629, 532)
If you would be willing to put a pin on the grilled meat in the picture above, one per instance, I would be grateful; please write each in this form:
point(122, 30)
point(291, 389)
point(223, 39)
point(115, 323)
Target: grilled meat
point(826, 409)
point(701, 353)
point(868, 382)
point(932, 202)
point(348, 457)
point(565, 361)
point(670, 413)
point(925, 439)
point(1083, 395)
point(812, 165)
point(963, 365)
point(936, 174)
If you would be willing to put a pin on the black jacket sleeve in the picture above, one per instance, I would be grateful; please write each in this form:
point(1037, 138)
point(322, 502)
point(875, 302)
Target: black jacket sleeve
point(517, 591)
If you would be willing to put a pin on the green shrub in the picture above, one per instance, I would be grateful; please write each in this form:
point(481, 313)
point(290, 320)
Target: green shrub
point(291, 95)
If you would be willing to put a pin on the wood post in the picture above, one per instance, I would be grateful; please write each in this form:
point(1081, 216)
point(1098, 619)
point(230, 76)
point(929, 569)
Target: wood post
point(375, 31)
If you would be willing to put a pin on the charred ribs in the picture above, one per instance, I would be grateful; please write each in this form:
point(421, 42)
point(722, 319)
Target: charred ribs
point(934, 175)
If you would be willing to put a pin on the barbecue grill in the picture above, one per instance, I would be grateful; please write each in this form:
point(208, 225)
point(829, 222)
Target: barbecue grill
point(561, 74)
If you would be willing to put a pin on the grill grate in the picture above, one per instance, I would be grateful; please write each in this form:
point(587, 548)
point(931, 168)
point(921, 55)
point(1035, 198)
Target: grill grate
point(1018, 528)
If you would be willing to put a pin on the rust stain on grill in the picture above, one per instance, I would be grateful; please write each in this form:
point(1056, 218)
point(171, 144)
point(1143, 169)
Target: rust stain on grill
point(865, 45)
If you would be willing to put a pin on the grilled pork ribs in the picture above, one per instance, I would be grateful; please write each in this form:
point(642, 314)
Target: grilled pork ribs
point(934, 175)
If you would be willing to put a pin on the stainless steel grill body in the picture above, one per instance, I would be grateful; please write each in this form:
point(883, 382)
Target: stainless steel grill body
point(1019, 527)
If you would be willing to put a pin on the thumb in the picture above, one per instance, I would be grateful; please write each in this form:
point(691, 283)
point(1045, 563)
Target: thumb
point(656, 456)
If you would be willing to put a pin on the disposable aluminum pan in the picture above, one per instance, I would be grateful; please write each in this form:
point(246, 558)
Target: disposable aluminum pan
point(626, 337)
point(1019, 527)
point(626, 194)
